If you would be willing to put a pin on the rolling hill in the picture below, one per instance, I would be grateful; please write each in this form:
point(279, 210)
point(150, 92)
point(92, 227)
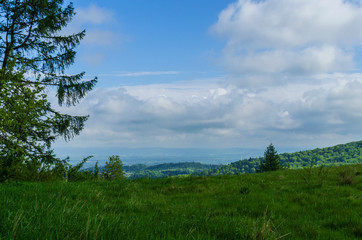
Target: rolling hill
point(341, 154)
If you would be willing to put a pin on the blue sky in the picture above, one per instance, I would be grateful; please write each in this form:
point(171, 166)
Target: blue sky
point(219, 74)
point(164, 36)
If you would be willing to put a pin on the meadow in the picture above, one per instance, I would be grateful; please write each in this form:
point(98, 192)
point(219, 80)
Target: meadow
point(310, 203)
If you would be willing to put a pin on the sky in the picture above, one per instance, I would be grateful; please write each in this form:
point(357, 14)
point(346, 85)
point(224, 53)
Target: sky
point(218, 74)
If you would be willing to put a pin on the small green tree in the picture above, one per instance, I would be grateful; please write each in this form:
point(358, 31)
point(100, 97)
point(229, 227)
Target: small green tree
point(113, 169)
point(271, 160)
point(96, 171)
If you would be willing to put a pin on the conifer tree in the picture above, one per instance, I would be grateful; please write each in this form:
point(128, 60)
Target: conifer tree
point(271, 160)
point(34, 57)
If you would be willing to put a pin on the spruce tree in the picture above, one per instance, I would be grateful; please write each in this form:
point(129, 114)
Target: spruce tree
point(271, 160)
point(33, 58)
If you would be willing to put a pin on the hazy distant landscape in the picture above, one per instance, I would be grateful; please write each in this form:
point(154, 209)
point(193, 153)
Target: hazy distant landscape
point(152, 156)
point(233, 119)
point(342, 154)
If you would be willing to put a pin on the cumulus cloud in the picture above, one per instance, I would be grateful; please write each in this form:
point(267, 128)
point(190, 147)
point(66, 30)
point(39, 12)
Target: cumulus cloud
point(310, 60)
point(188, 115)
point(283, 36)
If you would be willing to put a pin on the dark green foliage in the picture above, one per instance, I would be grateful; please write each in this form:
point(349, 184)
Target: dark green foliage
point(244, 190)
point(271, 205)
point(25, 128)
point(341, 154)
point(350, 153)
point(63, 171)
point(113, 169)
point(30, 42)
point(348, 175)
point(96, 171)
point(74, 173)
point(271, 160)
point(313, 176)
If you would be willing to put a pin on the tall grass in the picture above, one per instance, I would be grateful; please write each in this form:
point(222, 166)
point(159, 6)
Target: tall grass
point(275, 205)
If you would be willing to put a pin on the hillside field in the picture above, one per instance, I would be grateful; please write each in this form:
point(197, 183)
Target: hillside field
point(310, 203)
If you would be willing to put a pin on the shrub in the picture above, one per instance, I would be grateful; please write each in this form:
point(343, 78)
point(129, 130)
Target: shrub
point(113, 169)
point(346, 176)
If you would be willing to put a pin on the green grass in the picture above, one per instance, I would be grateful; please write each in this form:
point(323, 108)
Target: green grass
point(276, 205)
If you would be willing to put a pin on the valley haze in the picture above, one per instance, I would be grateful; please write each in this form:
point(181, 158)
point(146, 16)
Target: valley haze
point(153, 156)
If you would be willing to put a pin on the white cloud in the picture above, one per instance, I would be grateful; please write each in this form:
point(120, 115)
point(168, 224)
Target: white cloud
point(289, 36)
point(310, 60)
point(189, 115)
point(101, 36)
point(93, 14)
point(96, 37)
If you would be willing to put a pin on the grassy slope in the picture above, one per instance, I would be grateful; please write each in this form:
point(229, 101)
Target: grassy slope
point(300, 204)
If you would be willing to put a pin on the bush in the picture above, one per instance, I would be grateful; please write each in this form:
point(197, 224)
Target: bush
point(346, 176)
point(113, 169)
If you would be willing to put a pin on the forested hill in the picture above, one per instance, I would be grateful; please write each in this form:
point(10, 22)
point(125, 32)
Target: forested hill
point(341, 154)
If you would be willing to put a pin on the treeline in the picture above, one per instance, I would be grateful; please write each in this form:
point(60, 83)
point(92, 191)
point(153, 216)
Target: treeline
point(62, 170)
point(349, 153)
point(164, 170)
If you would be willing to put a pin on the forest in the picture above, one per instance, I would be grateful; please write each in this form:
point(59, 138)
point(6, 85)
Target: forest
point(341, 154)
point(350, 153)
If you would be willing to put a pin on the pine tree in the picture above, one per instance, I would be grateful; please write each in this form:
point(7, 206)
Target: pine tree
point(33, 57)
point(271, 160)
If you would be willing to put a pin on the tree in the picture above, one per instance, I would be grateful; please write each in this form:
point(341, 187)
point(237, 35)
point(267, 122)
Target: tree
point(113, 169)
point(33, 57)
point(22, 110)
point(271, 160)
point(96, 171)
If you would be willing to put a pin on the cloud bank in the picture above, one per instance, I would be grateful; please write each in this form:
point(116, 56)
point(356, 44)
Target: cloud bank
point(189, 114)
point(298, 37)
